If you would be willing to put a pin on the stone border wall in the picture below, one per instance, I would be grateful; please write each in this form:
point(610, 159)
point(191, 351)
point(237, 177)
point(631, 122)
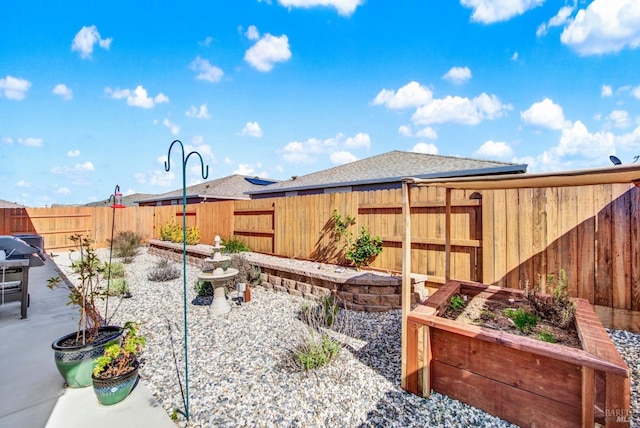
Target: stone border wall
point(362, 291)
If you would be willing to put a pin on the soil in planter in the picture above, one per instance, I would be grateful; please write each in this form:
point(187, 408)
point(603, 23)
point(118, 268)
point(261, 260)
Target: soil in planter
point(491, 314)
point(100, 337)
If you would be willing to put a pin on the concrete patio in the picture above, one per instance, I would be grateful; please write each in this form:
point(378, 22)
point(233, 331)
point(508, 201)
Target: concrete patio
point(32, 392)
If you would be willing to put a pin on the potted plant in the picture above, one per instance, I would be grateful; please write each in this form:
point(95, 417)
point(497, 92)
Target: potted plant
point(74, 353)
point(115, 373)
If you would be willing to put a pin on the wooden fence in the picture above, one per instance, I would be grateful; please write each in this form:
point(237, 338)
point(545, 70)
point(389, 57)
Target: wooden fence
point(501, 237)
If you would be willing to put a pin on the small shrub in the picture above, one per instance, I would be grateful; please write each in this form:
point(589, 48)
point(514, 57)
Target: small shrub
point(558, 309)
point(547, 336)
point(316, 353)
point(322, 314)
point(360, 251)
point(234, 245)
point(203, 288)
point(246, 271)
point(126, 245)
point(456, 303)
point(115, 269)
point(192, 235)
point(523, 320)
point(118, 287)
point(163, 271)
point(168, 229)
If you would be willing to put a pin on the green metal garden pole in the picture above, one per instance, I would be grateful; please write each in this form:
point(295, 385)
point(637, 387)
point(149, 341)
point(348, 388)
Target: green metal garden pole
point(205, 174)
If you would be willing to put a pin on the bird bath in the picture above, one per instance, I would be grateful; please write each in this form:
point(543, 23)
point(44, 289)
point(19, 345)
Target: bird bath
point(214, 273)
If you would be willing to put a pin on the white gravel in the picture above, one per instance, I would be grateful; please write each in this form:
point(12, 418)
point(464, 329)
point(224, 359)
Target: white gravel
point(238, 374)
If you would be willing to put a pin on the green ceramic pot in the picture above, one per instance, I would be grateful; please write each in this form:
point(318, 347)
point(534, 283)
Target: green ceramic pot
point(114, 390)
point(75, 363)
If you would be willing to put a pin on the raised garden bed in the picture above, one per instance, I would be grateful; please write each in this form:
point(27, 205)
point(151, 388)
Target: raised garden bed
point(523, 380)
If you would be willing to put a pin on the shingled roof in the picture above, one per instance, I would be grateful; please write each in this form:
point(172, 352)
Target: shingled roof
point(127, 201)
point(230, 187)
point(392, 167)
point(7, 204)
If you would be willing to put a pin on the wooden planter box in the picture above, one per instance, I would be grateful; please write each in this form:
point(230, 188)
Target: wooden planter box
point(525, 381)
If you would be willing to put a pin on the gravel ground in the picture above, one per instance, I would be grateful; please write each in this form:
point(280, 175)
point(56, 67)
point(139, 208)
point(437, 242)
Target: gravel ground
point(239, 373)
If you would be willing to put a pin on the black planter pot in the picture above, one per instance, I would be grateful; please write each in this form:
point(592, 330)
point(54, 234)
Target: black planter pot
point(75, 362)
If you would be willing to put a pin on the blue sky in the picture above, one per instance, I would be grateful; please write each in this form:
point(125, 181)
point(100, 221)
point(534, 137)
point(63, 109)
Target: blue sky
point(93, 93)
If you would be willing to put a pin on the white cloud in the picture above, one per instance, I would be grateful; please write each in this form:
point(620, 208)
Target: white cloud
point(201, 112)
point(136, 98)
point(206, 42)
point(427, 132)
point(63, 90)
point(578, 147)
point(227, 160)
point(206, 71)
point(545, 114)
point(409, 96)
point(458, 75)
point(606, 91)
point(426, 148)
point(7, 140)
point(76, 174)
point(63, 191)
point(308, 151)
point(85, 39)
point(173, 128)
point(23, 183)
point(267, 51)
point(31, 142)
point(514, 57)
point(252, 129)
point(636, 92)
point(605, 26)
point(159, 178)
point(490, 11)
point(342, 157)
point(560, 19)
point(244, 169)
point(620, 119)
point(461, 110)
point(252, 33)
point(405, 131)
point(344, 7)
point(361, 139)
point(73, 153)
point(494, 149)
point(14, 88)
point(197, 139)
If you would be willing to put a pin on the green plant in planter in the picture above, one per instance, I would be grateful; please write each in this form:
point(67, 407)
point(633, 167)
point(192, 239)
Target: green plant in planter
point(524, 321)
point(361, 250)
point(118, 358)
point(74, 353)
point(456, 303)
point(169, 229)
point(234, 245)
point(116, 371)
point(84, 296)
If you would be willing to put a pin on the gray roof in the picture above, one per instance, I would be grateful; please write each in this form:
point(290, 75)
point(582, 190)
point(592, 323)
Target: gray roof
point(391, 167)
point(230, 187)
point(127, 201)
point(7, 204)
